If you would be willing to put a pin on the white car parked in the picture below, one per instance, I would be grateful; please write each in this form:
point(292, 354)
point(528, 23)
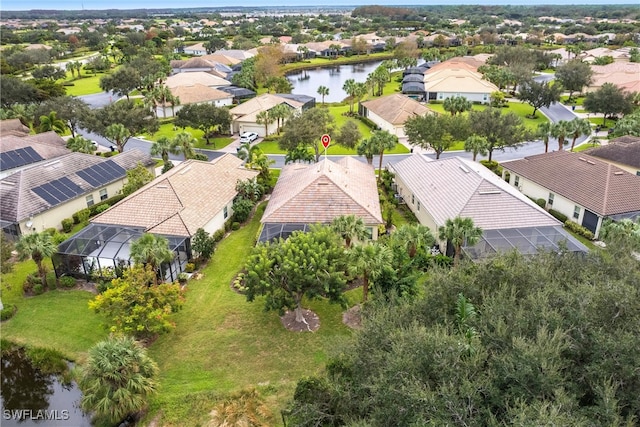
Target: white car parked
point(248, 137)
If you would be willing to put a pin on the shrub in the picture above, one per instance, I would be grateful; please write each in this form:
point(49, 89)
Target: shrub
point(578, 229)
point(238, 283)
point(190, 267)
point(67, 282)
point(101, 208)
point(83, 216)
point(218, 235)
point(493, 166)
point(242, 210)
point(227, 224)
point(38, 289)
point(235, 226)
point(541, 202)
point(8, 312)
point(52, 280)
point(67, 224)
point(557, 215)
point(183, 277)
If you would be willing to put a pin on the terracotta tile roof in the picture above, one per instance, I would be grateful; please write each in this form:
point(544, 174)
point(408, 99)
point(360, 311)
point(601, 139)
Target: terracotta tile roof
point(198, 93)
point(625, 150)
point(456, 80)
point(319, 192)
point(181, 200)
point(459, 187)
point(48, 145)
point(20, 202)
point(466, 62)
point(588, 181)
point(396, 108)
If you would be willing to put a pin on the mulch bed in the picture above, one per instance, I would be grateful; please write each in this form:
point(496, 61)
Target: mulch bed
point(312, 321)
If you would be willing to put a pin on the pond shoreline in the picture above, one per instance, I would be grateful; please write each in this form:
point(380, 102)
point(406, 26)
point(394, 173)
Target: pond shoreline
point(334, 62)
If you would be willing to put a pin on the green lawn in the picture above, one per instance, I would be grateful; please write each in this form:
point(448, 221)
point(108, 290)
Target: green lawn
point(57, 319)
point(87, 85)
point(223, 343)
point(167, 130)
point(519, 108)
point(586, 146)
point(337, 112)
point(318, 62)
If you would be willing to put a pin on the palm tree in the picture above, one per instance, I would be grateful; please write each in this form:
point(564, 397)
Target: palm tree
point(477, 145)
point(369, 261)
point(323, 91)
point(280, 113)
point(265, 118)
point(245, 408)
point(151, 250)
point(71, 67)
point(578, 128)
point(80, 144)
point(459, 231)
point(118, 134)
point(383, 140)
point(349, 227)
point(117, 379)
point(184, 143)
point(544, 131)
point(560, 130)
point(51, 122)
point(413, 237)
point(457, 104)
point(368, 149)
point(349, 87)
point(36, 246)
point(163, 96)
point(163, 147)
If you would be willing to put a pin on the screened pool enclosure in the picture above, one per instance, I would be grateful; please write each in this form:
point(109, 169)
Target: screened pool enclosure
point(103, 251)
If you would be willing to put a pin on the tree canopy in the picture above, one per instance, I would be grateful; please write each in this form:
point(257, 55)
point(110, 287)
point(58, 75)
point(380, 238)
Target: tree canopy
point(501, 130)
point(306, 129)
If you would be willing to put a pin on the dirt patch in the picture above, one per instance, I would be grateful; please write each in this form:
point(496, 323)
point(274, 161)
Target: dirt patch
point(311, 324)
point(353, 317)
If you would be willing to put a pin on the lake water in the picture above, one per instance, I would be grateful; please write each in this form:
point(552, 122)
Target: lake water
point(307, 81)
point(29, 398)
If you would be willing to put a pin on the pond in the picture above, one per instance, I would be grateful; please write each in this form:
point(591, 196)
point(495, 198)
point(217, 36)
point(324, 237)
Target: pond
point(307, 81)
point(30, 398)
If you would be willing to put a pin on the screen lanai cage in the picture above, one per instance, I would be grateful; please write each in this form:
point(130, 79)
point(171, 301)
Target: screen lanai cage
point(103, 251)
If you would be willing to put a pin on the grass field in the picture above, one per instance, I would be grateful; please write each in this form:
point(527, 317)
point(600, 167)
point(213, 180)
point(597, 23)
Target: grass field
point(87, 85)
point(522, 110)
point(223, 343)
point(167, 130)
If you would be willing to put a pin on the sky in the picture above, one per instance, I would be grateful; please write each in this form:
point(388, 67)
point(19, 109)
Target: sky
point(159, 4)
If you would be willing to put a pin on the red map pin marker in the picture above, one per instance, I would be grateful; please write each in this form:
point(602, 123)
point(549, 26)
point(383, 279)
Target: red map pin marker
point(326, 140)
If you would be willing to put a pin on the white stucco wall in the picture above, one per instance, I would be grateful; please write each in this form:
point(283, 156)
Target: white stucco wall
point(417, 207)
point(385, 125)
point(217, 222)
point(473, 97)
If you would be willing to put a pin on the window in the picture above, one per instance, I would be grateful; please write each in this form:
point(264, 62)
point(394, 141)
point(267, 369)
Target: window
point(576, 212)
point(516, 181)
point(418, 209)
point(225, 212)
point(103, 194)
point(550, 199)
point(89, 199)
point(369, 231)
point(413, 199)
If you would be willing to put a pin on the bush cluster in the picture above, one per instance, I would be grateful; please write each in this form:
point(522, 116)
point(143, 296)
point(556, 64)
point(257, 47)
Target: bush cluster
point(578, 229)
point(558, 215)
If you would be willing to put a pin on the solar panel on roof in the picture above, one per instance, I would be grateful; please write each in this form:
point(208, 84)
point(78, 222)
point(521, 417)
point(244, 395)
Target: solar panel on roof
point(58, 191)
point(102, 173)
point(19, 157)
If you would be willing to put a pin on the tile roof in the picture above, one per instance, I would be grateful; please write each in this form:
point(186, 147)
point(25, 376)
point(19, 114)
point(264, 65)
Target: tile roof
point(19, 201)
point(198, 93)
point(588, 181)
point(319, 192)
point(460, 80)
point(12, 125)
point(459, 187)
point(625, 150)
point(470, 63)
point(193, 78)
point(396, 108)
point(263, 102)
point(181, 200)
point(48, 145)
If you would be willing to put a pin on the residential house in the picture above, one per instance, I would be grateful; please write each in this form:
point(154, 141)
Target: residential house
point(13, 127)
point(245, 115)
point(196, 77)
point(582, 187)
point(238, 94)
point(441, 83)
point(194, 94)
point(625, 75)
point(623, 152)
point(444, 189)
point(190, 196)
point(19, 150)
point(40, 197)
point(392, 111)
point(307, 194)
point(197, 49)
point(218, 65)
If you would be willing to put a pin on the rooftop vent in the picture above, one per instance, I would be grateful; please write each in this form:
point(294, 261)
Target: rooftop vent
point(591, 162)
point(465, 170)
point(618, 173)
point(185, 170)
point(161, 186)
point(582, 158)
point(490, 192)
